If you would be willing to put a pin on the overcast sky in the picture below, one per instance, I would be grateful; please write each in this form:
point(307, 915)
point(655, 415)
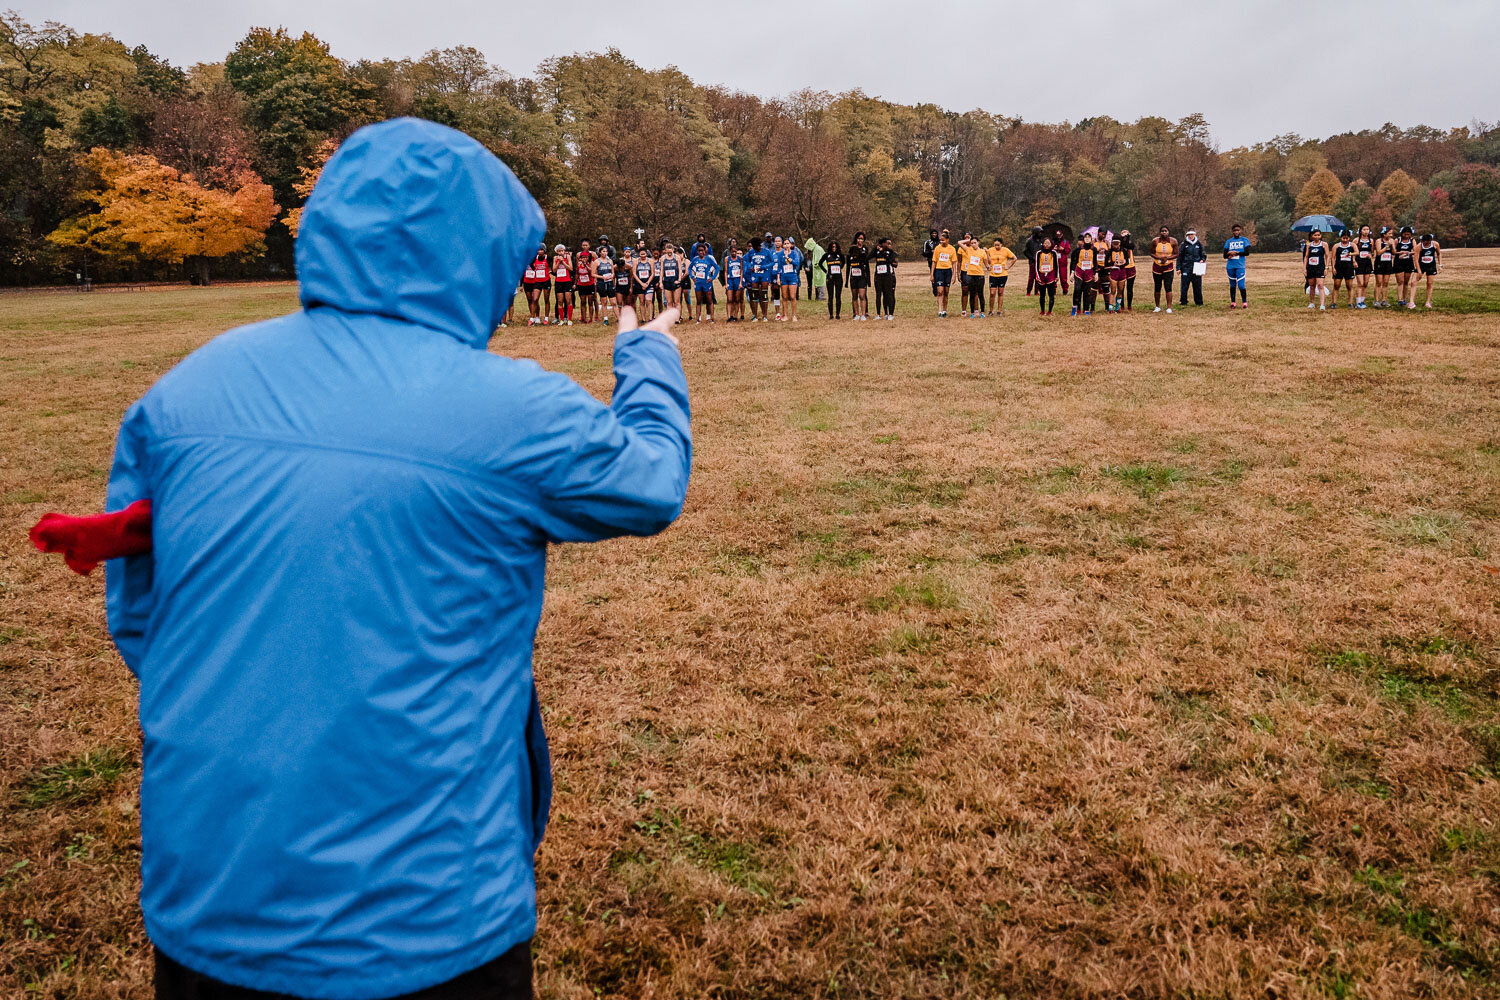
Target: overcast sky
point(1255, 68)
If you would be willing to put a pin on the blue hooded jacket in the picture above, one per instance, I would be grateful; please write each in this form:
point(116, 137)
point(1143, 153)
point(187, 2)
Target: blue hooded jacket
point(345, 777)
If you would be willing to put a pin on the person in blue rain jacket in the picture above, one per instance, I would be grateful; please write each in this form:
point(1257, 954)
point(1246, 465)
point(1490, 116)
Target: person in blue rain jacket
point(345, 777)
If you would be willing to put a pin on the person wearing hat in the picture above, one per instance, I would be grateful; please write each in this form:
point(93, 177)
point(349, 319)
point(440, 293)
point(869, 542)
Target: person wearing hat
point(1430, 261)
point(562, 285)
point(1190, 254)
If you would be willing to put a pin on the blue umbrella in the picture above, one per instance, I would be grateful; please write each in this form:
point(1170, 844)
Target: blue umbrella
point(1322, 223)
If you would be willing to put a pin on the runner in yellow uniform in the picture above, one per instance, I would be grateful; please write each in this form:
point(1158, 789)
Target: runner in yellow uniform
point(1000, 259)
point(944, 263)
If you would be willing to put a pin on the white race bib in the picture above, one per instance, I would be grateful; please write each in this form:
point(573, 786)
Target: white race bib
point(879, 268)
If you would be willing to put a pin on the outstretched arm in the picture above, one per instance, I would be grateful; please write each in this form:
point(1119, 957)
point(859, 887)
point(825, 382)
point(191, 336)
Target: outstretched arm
point(623, 469)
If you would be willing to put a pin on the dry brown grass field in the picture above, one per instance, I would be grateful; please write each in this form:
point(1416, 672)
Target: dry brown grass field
point(1129, 656)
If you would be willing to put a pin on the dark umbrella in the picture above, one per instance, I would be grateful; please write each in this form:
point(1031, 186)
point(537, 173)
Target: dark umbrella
point(1321, 223)
point(1051, 228)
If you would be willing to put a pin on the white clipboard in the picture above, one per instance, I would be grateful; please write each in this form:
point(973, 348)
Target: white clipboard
point(1200, 267)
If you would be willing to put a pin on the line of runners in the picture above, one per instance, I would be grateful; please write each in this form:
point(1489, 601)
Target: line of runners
point(588, 283)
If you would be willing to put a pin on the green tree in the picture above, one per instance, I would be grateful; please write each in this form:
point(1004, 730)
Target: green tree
point(1351, 204)
point(297, 94)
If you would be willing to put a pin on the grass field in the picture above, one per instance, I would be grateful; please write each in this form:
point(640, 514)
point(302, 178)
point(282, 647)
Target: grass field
point(1132, 656)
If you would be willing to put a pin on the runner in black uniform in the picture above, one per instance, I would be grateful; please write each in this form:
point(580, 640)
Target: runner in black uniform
point(884, 263)
point(932, 241)
point(643, 283)
point(832, 263)
point(604, 282)
point(624, 269)
point(1406, 265)
point(1385, 266)
point(1315, 265)
point(1364, 262)
point(1343, 269)
point(1430, 262)
point(859, 278)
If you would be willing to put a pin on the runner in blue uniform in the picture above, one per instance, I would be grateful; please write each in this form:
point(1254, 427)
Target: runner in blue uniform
point(704, 269)
point(758, 272)
point(733, 277)
point(788, 263)
point(1236, 249)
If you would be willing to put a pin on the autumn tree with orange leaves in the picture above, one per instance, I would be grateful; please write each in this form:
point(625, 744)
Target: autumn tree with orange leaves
point(139, 209)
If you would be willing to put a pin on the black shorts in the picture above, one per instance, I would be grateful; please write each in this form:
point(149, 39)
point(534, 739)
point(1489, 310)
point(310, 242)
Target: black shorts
point(1429, 269)
point(1343, 272)
point(1315, 273)
point(1385, 267)
point(1162, 279)
point(1405, 266)
point(670, 284)
point(998, 282)
point(942, 277)
point(1365, 266)
point(586, 291)
point(607, 290)
point(537, 286)
point(1103, 279)
point(562, 287)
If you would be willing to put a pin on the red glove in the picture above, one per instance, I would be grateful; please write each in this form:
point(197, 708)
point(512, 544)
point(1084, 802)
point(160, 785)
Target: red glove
point(85, 542)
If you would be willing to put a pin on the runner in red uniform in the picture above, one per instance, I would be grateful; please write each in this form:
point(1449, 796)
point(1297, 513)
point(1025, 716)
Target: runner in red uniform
point(583, 281)
point(562, 283)
point(534, 281)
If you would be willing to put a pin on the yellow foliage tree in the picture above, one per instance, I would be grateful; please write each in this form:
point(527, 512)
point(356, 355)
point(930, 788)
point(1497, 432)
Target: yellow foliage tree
point(1400, 193)
point(1318, 195)
point(304, 187)
point(140, 209)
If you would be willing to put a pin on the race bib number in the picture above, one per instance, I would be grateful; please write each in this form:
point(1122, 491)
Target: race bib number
point(855, 272)
point(788, 268)
point(1044, 267)
point(880, 268)
point(835, 269)
point(1386, 257)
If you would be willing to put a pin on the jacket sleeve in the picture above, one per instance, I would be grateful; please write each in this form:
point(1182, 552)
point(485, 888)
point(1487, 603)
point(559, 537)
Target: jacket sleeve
point(128, 581)
point(625, 471)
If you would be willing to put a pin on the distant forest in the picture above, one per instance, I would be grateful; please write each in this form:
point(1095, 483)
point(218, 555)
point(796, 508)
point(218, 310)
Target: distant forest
point(115, 161)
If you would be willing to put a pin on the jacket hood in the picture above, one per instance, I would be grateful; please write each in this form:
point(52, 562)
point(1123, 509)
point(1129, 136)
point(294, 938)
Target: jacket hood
point(417, 221)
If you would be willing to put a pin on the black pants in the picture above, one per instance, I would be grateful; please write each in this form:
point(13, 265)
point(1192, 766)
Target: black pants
point(835, 295)
point(885, 296)
point(1046, 295)
point(1129, 292)
point(1196, 281)
point(1161, 281)
point(506, 978)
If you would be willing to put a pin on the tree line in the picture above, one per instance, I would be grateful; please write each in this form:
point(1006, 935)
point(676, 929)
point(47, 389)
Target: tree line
point(115, 161)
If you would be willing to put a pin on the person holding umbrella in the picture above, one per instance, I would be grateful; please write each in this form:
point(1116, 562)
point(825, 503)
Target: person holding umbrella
point(1315, 266)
